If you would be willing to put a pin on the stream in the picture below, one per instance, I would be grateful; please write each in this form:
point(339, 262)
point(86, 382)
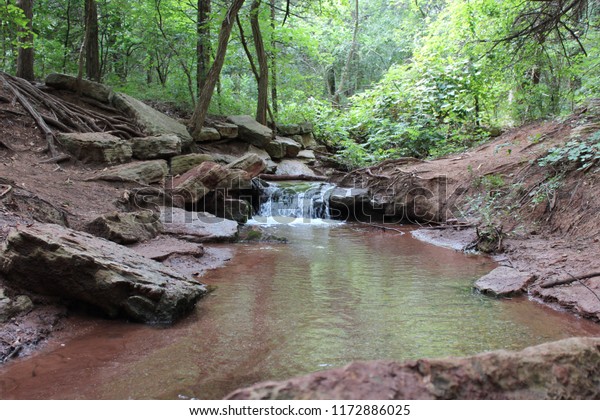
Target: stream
point(336, 292)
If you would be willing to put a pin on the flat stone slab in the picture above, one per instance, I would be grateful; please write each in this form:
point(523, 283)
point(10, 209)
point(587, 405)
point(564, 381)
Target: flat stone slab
point(505, 282)
point(125, 228)
point(206, 134)
point(251, 163)
point(153, 122)
point(57, 261)
point(197, 226)
point(149, 172)
point(293, 167)
point(155, 147)
point(251, 131)
point(182, 164)
point(96, 147)
point(163, 247)
point(90, 89)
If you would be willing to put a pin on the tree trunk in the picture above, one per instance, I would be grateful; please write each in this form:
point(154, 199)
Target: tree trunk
point(203, 44)
point(274, 99)
point(92, 55)
point(346, 73)
point(25, 56)
point(215, 69)
point(263, 66)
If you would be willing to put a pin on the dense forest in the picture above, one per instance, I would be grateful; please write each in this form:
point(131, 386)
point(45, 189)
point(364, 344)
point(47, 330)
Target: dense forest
point(380, 79)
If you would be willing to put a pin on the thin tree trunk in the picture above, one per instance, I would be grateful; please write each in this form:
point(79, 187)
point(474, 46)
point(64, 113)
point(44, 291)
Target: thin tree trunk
point(92, 54)
point(215, 69)
point(25, 56)
point(67, 35)
point(262, 102)
point(203, 44)
point(274, 99)
point(346, 72)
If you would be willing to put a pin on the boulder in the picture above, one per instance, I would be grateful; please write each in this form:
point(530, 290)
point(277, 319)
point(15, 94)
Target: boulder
point(505, 282)
point(13, 307)
point(206, 134)
point(57, 261)
point(96, 147)
point(229, 208)
point(226, 130)
point(148, 172)
point(88, 88)
point(271, 166)
point(307, 156)
point(164, 247)
point(251, 131)
point(282, 147)
point(288, 129)
point(182, 164)
point(156, 147)
point(567, 369)
point(126, 228)
point(306, 140)
point(306, 127)
point(209, 176)
point(153, 122)
point(293, 167)
point(350, 201)
point(197, 226)
point(251, 163)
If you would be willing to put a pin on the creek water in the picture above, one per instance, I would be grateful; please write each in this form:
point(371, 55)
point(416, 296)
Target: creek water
point(333, 294)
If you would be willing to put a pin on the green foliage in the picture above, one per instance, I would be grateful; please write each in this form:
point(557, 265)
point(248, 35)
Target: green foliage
point(579, 154)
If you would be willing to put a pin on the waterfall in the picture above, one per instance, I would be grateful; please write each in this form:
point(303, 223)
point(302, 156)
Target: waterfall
point(294, 200)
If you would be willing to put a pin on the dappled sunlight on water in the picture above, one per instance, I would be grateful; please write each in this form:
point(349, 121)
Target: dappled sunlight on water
point(330, 296)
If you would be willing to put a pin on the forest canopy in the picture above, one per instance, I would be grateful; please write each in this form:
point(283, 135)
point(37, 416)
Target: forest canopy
point(380, 79)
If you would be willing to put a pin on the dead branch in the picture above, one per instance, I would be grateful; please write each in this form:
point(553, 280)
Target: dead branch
point(569, 280)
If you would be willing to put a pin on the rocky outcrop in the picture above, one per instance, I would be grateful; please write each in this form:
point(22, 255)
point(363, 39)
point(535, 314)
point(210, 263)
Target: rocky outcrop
point(96, 147)
point(282, 147)
point(568, 369)
point(153, 122)
point(126, 228)
point(250, 163)
point(251, 131)
point(155, 147)
point(182, 164)
point(148, 172)
point(56, 261)
point(505, 282)
point(197, 227)
point(88, 88)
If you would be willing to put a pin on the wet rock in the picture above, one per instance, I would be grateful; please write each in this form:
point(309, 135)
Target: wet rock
point(578, 298)
point(153, 122)
point(155, 147)
point(164, 247)
point(567, 369)
point(251, 163)
point(293, 167)
point(96, 147)
point(350, 201)
point(56, 261)
point(182, 164)
point(229, 208)
point(505, 282)
point(126, 228)
point(197, 226)
point(148, 172)
point(206, 134)
point(251, 131)
point(209, 176)
point(226, 130)
point(88, 88)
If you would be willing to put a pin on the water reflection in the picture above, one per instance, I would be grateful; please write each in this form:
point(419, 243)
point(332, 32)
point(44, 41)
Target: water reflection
point(330, 296)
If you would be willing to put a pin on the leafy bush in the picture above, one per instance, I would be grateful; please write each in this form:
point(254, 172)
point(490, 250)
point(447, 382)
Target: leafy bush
point(581, 154)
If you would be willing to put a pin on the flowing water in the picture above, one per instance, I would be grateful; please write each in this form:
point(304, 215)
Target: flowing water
point(335, 293)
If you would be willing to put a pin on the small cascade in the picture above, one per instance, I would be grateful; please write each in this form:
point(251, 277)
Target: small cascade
point(295, 200)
